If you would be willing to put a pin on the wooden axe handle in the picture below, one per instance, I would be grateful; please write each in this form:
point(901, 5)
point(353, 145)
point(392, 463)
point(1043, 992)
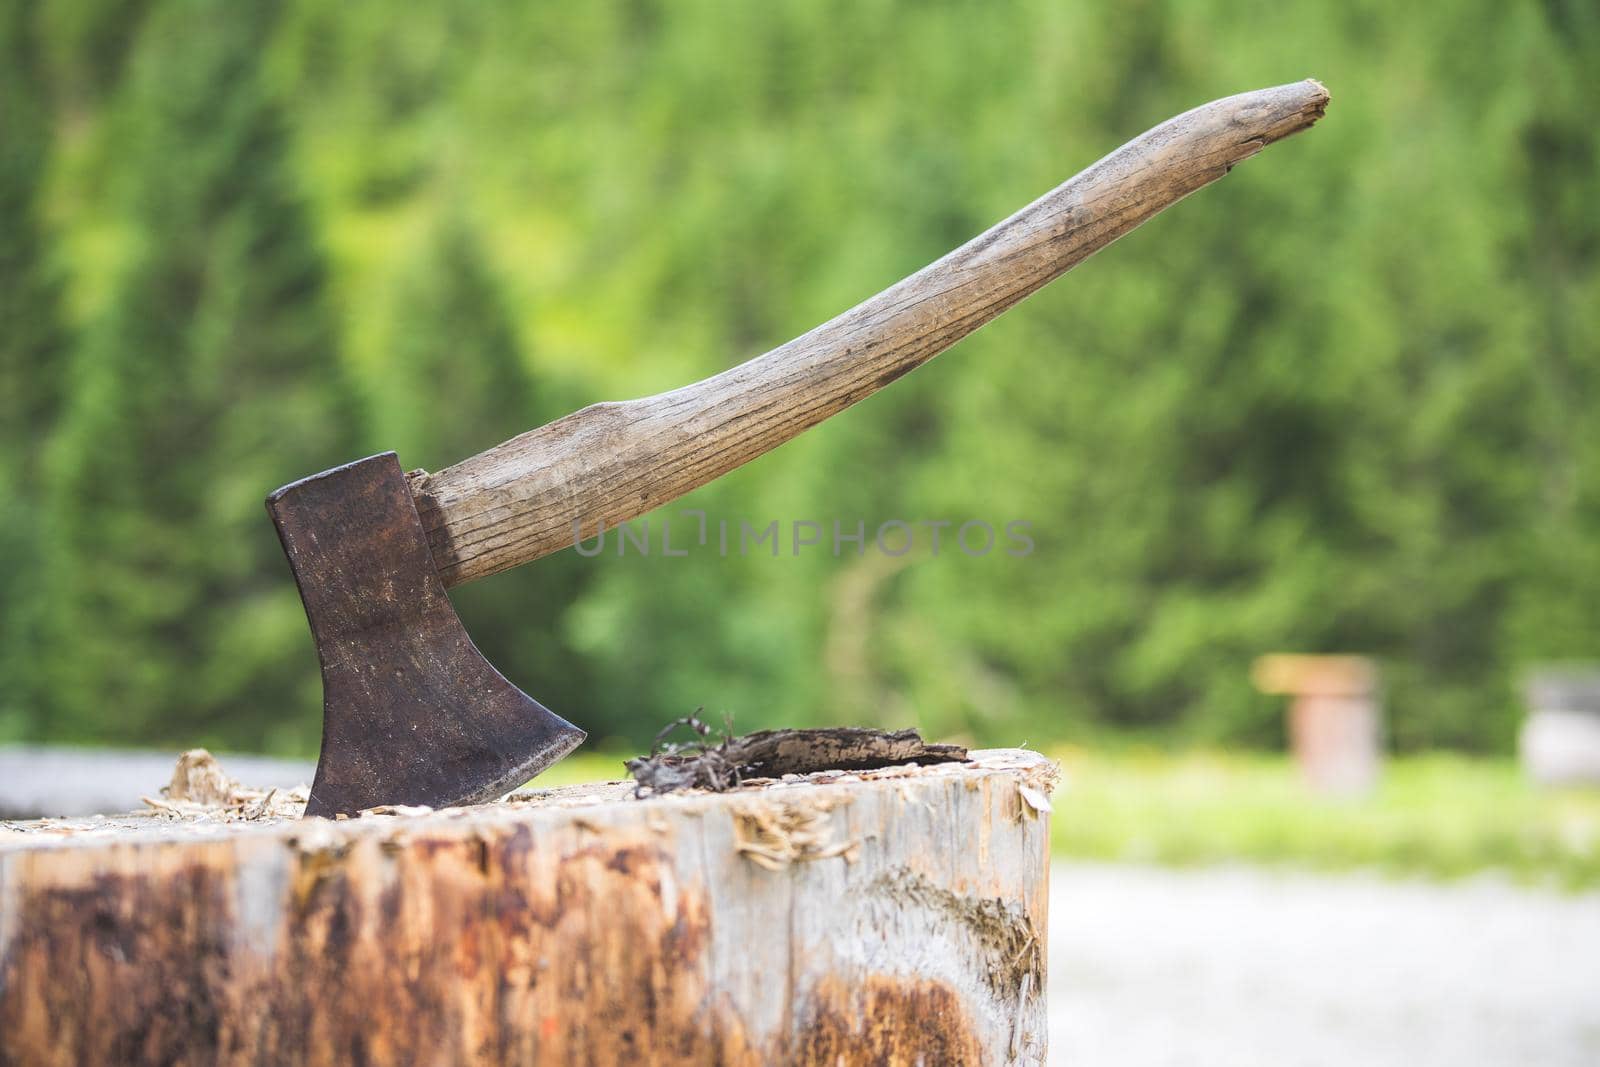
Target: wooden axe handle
point(611, 462)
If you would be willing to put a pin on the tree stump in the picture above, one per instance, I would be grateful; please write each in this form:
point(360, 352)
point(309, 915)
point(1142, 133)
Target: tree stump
point(892, 916)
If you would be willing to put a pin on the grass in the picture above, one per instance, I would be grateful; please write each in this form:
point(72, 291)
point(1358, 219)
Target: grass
point(1435, 816)
point(1438, 816)
point(581, 767)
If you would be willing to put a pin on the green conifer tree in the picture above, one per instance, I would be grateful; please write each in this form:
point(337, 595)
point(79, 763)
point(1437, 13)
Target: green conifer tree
point(212, 378)
point(459, 383)
point(32, 341)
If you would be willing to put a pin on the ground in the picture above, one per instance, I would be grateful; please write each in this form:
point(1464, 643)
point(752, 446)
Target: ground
point(1239, 967)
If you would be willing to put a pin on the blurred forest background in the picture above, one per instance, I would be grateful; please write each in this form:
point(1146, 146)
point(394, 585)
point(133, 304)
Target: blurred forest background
point(1342, 401)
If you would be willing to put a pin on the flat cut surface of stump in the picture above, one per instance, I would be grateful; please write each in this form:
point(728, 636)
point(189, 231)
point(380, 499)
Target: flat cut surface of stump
point(890, 916)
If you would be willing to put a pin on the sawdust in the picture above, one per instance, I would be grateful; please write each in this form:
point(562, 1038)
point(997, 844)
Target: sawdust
point(1040, 775)
point(203, 800)
point(200, 789)
point(774, 834)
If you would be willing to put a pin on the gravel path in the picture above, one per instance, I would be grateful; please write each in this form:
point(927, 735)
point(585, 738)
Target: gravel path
point(1243, 967)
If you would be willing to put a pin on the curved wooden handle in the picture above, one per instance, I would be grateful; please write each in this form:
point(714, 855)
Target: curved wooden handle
point(614, 461)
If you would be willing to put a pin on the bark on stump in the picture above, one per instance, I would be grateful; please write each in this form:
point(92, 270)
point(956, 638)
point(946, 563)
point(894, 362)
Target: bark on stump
point(894, 916)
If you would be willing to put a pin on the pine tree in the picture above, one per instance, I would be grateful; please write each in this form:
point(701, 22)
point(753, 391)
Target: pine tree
point(32, 340)
point(459, 383)
point(32, 343)
point(212, 378)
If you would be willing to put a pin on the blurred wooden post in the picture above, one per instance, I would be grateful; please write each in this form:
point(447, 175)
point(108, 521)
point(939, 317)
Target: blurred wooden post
point(1560, 741)
point(1334, 720)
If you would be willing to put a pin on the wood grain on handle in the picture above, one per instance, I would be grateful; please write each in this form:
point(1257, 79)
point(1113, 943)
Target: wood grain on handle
point(614, 461)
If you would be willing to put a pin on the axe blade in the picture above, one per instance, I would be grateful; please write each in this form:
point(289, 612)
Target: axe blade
point(412, 712)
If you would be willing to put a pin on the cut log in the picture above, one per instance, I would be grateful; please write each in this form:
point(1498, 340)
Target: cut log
point(892, 916)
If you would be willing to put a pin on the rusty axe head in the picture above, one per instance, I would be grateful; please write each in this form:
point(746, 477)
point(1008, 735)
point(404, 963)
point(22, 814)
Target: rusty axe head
point(412, 712)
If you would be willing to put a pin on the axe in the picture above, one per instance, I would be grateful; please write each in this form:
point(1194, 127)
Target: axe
point(413, 714)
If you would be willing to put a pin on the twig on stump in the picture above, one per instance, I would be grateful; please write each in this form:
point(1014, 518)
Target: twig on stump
point(718, 767)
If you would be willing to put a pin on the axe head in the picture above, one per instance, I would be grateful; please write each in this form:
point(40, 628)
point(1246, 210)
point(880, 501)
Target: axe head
point(412, 713)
